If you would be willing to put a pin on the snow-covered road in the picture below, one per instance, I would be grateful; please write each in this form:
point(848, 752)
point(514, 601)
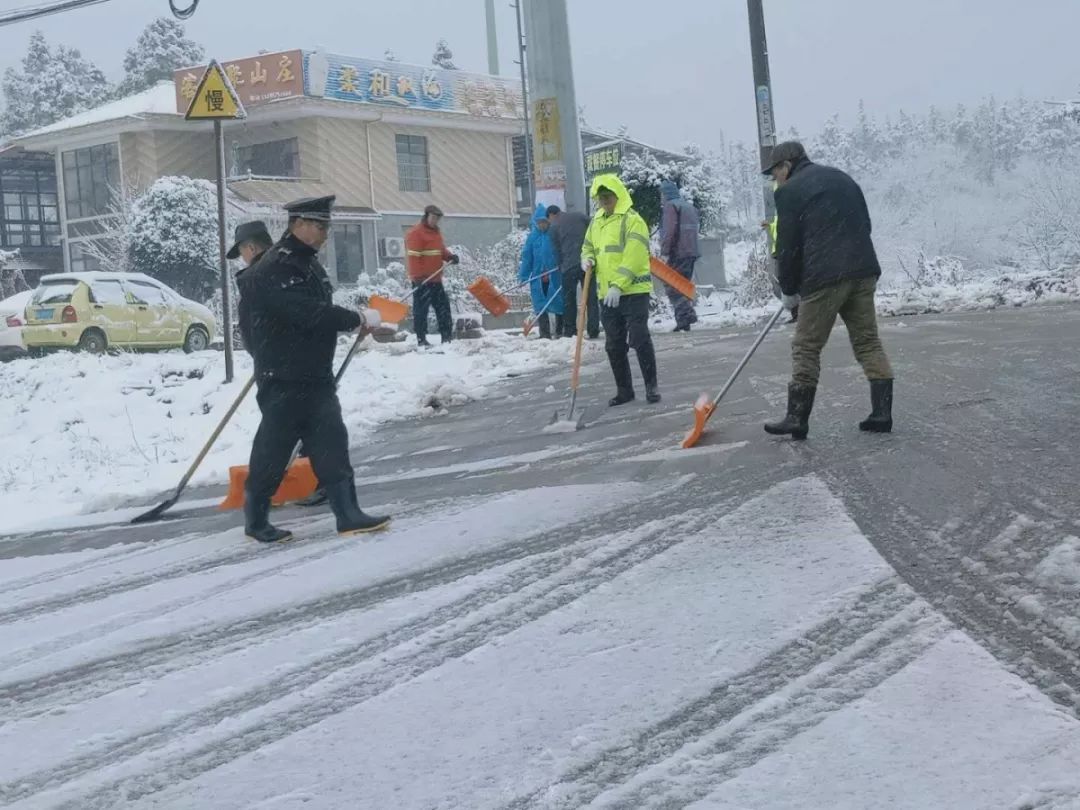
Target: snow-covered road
point(595, 619)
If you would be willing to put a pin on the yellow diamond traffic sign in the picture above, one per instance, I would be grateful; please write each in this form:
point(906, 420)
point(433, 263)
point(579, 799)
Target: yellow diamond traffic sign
point(215, 99)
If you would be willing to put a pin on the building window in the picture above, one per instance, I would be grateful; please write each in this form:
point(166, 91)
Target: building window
point(91, 176)
point(274, 159)
point(30, 214)
point(81, 261)
point(348, 253)
point(414, 172)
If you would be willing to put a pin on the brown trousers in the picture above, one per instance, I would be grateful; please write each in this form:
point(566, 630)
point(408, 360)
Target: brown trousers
point(853, 301)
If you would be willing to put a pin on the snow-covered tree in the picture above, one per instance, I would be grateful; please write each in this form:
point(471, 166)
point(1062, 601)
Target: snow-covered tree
point(700, 178)
point(443, 56)
point(53, 84)
point(174, 235)
point(390, 56)
point(160, 49)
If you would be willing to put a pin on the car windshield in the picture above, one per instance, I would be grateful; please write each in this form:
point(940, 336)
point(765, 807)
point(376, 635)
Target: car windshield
point(55, 292)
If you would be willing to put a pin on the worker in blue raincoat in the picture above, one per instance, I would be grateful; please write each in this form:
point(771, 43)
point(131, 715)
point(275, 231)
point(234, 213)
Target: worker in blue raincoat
point(540, 266)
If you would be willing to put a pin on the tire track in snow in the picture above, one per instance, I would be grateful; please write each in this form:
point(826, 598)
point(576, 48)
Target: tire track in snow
point(159, 656)
point(726, 701)
point(238, 554)
point(972, 596)
point(294, 555)
point(877, 657)
point(549, 594)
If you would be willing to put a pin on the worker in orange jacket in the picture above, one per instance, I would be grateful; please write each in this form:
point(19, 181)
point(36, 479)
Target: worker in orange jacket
point(427, 254)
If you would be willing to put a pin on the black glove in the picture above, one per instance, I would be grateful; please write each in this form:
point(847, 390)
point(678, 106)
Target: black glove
point(455, 259)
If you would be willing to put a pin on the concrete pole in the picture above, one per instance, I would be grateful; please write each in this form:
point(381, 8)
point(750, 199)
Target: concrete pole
point(530, 187)
point(759, 51)
point(551, 75)
point(492, 39)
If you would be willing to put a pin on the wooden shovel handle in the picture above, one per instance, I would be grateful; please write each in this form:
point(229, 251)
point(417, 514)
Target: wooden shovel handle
point(582, 309)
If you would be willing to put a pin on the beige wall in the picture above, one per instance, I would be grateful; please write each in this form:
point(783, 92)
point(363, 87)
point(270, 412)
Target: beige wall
point(469, 172)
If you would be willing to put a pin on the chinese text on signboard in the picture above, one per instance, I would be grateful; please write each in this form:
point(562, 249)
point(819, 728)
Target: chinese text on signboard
point(343, 78)
point(603, 159)
point(267, 77)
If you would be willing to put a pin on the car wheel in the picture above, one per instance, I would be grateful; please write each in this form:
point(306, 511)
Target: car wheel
point(197, 340)
point(93, 341)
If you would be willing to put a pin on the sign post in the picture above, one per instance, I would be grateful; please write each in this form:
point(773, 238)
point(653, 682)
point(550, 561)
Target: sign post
point(215, 100)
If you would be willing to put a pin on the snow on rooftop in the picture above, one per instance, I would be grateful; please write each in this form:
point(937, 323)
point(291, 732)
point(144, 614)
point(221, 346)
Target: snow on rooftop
point(158, 100)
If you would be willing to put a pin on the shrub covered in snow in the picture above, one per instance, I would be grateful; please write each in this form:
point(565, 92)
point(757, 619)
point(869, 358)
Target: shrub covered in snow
point(174, 227)
point(699, 177)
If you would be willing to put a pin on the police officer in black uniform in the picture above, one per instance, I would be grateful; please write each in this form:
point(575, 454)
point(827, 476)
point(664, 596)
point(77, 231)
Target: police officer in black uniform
point(293, 326)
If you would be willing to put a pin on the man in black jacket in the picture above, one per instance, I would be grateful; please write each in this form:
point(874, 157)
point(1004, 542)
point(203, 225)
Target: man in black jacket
point(827, 267)
point(567, 235)
point(293, 326)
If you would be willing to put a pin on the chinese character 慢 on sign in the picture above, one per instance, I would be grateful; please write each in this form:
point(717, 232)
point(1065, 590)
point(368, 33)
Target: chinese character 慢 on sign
point(347, 82)
point(215, 101)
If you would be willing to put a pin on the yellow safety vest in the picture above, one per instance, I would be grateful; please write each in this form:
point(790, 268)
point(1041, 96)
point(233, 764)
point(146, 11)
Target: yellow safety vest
point(618, 244)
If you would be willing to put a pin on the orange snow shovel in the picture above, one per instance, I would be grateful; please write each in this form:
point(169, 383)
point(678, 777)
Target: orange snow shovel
point(672, 277)
point(395, 310)
point(299, 481)
point(704, 407)
point(490, 299)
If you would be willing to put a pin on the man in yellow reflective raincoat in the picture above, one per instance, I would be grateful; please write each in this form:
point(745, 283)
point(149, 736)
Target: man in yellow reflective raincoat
point(617, 247)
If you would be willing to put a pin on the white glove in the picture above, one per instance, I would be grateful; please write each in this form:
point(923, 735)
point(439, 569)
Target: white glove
point(372, 318)
point(589, 265)
point(614, 294)
point(789, 301)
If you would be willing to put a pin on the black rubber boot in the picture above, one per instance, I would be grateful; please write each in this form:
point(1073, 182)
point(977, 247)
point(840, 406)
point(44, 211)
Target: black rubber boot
point(257, 524)
point(797, 422)
point(880, 420)
point(317, 498)
point(351, 519)
point(624, 382)
point(646, 356)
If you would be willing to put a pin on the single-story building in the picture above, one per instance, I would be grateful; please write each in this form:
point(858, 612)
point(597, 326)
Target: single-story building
point(386, 138)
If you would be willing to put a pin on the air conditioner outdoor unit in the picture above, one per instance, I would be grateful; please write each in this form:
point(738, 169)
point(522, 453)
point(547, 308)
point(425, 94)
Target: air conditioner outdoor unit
point(392, 247)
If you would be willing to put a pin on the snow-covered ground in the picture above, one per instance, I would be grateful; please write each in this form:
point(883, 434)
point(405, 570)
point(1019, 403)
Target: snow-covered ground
point(86, 433)
point(520, 650)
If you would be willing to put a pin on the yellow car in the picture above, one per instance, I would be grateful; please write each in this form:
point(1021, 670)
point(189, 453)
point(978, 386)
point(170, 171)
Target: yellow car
point(94, 312)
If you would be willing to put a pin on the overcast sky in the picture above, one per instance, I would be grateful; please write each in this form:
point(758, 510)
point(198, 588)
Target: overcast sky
point(673, 71)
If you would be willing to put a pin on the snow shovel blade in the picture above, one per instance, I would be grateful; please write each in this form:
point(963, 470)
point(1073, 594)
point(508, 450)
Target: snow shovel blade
point(299, 483)
point(157, 511)
point(703, 411)
point(569, 424)
point(389, 311)
point(490, 299)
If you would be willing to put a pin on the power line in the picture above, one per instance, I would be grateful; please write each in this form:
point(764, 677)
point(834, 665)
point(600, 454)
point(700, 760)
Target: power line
point(59, 6)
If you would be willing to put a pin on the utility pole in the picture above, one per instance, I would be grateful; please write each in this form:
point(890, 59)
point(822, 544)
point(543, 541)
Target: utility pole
point(531, 185)
point(551, 78)
point(766, 120)
point(492, 38)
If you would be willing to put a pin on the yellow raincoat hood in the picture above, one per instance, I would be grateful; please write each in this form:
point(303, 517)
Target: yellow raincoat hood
point(612, 182)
